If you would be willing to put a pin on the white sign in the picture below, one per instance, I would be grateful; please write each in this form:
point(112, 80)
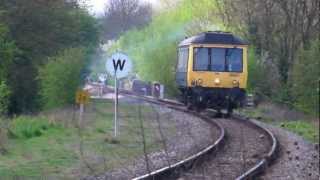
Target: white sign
point(119, 64)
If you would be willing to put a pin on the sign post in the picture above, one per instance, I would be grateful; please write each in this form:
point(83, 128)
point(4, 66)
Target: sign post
point(115, 103)
point(82, 97)
point(119, 65)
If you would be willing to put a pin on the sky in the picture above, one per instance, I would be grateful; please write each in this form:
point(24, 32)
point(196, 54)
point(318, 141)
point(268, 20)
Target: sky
point(97, 6)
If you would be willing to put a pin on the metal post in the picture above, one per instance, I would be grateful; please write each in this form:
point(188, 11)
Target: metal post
point(115, 104)
point(80, 115)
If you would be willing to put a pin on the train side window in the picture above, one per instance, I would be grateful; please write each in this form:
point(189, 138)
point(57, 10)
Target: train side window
point(218, 59)
point(200, 59)
point(234, 60)
point(183, 56)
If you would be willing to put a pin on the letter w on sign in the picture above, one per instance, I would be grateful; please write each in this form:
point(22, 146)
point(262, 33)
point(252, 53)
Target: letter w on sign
point(119, 64)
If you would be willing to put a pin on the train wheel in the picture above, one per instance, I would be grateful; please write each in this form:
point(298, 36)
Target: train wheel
point(219, 114)
point(189, 104)
point(229, 109)
point(229, 112)
point(185, 99)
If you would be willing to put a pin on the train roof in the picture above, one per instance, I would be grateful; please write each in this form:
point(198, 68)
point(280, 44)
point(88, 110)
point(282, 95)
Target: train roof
point(213, 37)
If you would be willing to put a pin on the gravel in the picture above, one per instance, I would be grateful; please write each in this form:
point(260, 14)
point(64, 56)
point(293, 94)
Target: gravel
point(298, 159)
point(245, 146)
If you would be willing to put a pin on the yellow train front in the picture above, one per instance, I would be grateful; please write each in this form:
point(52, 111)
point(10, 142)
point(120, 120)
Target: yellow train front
point(212, 71)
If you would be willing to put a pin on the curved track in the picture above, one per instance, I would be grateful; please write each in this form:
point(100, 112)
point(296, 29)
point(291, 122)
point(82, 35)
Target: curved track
point(242, 157)
point(242, 151)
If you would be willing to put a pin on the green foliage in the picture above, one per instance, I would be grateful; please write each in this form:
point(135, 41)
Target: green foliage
point(55, 153)
point(306, 73)
point(5, 94)
point(304, 129)
point(40, 29)
point(60, 78)
point(7, 52)
point(25, 127)
point(255, 74)
point(36, 149)
point(261, 79)
point(153, 48)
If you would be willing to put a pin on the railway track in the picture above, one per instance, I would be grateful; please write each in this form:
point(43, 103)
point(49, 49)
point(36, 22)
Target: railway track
point(242, 151)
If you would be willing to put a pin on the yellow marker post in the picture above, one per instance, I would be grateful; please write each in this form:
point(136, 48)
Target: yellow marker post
point(82, 97)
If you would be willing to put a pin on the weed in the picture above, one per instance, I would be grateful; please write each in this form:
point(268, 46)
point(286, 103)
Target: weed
point(28, 127)
point(302, 128)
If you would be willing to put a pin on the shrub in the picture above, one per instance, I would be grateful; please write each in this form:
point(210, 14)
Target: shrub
point(4, 98)
point(25, 127)
point(263, 79)
point(60, 78)
point(305, 79)
point(3, 137)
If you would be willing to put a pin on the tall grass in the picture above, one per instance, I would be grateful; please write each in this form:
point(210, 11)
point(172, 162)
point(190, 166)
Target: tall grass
point(3, 137)
point(25, 127)
point(303, 128)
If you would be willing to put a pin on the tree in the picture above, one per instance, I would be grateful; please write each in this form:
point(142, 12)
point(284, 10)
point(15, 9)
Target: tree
point(8, 51)
point(41, 29)
point(306, 79)
point(122, 15)
point(277, 28)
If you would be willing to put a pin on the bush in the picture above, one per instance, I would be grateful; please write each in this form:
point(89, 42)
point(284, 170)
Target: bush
point(262, 78)
point(305, 79)
point(3, 137)
point(25, 127)
point(4, 98)
point(60, 78)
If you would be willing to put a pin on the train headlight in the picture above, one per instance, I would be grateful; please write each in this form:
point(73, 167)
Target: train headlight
point(235, 83)
point(217, 81)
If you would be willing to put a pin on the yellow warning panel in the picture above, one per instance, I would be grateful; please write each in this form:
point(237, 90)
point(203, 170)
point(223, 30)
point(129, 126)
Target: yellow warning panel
point(82, 97)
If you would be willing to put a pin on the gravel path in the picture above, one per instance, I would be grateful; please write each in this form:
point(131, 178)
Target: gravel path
point(244, 147)
point(191, 135)
point(298, 159)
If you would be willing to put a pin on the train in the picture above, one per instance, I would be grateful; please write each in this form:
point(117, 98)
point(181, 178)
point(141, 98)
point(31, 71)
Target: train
point(212, 71)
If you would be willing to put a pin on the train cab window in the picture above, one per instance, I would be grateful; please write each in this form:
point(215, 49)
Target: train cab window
point(218, 59)
point(201, 59)
point(234, 60)
point(183, 56)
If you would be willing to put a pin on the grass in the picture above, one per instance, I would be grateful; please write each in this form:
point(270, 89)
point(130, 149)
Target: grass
point(39, 148)
point(304, 129)
point(303, 125)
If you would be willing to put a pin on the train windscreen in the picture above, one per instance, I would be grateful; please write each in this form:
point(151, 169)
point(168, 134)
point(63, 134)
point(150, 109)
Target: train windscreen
point(218, 59)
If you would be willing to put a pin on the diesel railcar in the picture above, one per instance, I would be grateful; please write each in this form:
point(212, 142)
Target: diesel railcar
point(212, 72)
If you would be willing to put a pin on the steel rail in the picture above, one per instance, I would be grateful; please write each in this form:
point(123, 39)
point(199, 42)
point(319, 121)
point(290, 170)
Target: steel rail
point(267, 160)
point(249, 174)
point(162, 172)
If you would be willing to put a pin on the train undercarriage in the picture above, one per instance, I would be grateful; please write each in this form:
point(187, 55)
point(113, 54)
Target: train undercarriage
point(200, 98)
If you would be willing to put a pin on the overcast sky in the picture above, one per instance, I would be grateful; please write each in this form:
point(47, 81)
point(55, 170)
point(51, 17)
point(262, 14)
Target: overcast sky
point(97, 6)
